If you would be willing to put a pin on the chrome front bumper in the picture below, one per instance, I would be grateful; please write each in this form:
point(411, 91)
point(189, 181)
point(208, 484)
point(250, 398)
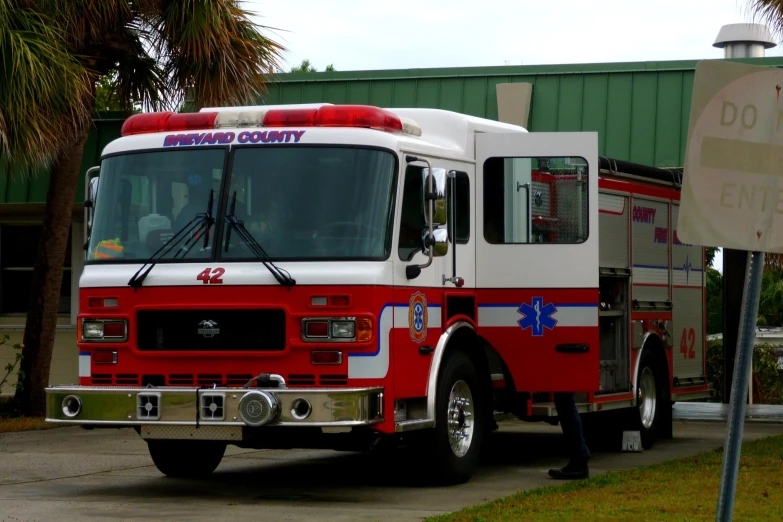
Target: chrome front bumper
point(190, 406)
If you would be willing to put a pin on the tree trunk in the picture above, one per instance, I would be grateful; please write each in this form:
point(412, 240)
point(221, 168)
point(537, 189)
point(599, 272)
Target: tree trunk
point(47, 279)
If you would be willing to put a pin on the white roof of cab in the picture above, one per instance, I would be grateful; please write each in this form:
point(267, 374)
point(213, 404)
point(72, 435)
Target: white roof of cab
point(440, 128)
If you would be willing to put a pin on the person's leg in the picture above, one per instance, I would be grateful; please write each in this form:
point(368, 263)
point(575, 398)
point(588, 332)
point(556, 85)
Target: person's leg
point(571, 424)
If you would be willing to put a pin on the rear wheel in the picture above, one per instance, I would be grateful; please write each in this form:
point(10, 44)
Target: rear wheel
point(651, 398)
point(186, 458)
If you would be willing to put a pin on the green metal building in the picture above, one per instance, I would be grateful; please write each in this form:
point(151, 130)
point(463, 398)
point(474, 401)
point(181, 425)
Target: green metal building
point(640, 111)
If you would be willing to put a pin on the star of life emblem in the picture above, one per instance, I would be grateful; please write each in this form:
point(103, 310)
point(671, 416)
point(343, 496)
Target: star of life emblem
point(417, 317)
point(537, 316)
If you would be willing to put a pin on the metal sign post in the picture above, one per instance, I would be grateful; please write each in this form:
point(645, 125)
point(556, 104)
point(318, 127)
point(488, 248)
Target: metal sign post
point(739, 392)
point(732, 197)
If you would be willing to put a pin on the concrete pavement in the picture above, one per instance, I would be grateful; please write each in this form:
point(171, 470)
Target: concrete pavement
point(72, 474)
point(720, 412)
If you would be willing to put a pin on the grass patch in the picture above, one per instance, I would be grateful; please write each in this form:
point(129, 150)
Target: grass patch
point(683, 489)
point(15, 424)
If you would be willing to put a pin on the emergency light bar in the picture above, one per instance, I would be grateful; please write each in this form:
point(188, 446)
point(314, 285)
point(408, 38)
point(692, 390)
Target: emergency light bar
point(362, 116)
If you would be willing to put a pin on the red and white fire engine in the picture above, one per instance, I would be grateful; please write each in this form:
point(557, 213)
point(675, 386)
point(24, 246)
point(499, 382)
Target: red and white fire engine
point(331, 276)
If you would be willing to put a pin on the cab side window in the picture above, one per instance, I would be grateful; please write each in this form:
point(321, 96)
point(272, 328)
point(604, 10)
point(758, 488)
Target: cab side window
point(463, 208)
point(412, 222)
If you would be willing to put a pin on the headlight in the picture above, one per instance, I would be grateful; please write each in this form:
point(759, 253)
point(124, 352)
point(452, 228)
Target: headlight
point(92, 330)
point(343, 329)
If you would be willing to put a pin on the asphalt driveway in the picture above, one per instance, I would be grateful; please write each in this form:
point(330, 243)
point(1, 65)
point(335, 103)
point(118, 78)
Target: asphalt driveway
point(72, 474)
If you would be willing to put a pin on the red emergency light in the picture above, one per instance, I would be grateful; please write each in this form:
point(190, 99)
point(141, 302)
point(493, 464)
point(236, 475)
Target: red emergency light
point(167, 122)
point(326, 116)
point(335, 116)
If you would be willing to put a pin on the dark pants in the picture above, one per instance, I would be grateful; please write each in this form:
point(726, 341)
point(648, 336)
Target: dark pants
point(572, 428)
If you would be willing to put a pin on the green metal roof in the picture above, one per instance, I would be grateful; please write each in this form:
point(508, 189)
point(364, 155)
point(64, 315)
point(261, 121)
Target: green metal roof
point(16, 189)
point(639, 109)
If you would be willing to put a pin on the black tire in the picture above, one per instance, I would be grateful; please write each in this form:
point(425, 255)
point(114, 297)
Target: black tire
point(186, 458)
point(652, 399)
point(455, 465)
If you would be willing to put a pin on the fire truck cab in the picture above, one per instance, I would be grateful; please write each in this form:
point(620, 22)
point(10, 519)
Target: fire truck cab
point(331, 276)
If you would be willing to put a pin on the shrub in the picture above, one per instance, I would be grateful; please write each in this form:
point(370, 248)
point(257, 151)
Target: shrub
point(10, 368)
point(767, 378)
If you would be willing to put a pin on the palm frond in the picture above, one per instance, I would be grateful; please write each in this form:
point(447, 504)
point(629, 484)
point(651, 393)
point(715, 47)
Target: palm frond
point(770, 12)
point(44, 97)
point(139, 76)
point(87, 23)
point(213, 51)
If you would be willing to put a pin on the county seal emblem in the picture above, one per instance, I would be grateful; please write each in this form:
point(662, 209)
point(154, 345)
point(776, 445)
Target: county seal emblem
point(417, 317)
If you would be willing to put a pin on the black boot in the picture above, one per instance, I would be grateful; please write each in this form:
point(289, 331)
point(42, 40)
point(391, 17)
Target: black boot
point(573, 471)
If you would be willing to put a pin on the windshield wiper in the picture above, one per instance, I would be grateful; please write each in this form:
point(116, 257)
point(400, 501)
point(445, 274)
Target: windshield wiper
point(199, 222)
point(282, 276)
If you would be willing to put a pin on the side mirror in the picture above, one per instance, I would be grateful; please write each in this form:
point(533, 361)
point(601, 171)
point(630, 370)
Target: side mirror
point(438, 195)
point(90, 193)
point(439, 242)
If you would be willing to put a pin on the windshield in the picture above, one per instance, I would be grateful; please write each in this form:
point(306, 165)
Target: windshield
point(297, 203)
point(144, 198)
point(308, 203)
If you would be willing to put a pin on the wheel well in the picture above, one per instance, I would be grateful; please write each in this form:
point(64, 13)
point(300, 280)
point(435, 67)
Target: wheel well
point(654, 346)
point(465, 339)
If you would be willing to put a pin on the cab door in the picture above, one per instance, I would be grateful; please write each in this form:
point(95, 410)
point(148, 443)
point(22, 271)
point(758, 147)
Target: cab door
point(537, 256)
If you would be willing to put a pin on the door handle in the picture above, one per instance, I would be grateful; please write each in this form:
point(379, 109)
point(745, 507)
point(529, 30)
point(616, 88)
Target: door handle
point(572, 348)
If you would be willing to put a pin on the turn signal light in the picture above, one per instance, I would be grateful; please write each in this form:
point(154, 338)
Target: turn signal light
point(363, 329)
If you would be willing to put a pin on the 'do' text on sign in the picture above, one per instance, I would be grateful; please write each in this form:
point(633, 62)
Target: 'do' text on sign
point(732, 192)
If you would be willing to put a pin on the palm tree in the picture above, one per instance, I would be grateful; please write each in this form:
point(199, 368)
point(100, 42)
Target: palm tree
point(159, 49)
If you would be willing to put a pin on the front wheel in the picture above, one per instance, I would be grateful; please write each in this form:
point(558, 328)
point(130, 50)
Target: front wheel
point(459, 420)
point(186, 458)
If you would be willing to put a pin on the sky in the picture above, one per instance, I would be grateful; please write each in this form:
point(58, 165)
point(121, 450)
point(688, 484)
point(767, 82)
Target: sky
point(402, 34)
point(405, 34)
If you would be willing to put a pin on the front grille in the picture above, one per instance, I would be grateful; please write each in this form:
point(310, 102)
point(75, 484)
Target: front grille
point(102, 378)
point(238, 380)
point(180, 379)
point(211, 330)
point(126, 378)
point(333, 380)
point(209, 379)
point(301, 380)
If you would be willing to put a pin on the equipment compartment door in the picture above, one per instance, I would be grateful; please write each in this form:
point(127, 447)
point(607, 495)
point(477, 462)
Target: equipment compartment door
point(688, 278)
point(537, 256)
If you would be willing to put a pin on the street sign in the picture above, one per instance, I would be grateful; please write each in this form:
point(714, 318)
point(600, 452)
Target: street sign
point(732, 191)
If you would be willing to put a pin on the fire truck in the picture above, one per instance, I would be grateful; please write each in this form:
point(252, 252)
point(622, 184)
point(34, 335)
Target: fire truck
point(353, 277)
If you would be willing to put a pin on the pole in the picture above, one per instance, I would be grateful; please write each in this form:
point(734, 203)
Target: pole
point(735, 266)
point(739, 391)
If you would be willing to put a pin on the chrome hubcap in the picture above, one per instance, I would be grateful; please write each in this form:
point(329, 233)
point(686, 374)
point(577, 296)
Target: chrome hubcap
point(646, 397)
point(460, 418)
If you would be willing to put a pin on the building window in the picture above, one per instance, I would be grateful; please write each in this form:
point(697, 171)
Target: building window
point(18, 250)
point(535, 200)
